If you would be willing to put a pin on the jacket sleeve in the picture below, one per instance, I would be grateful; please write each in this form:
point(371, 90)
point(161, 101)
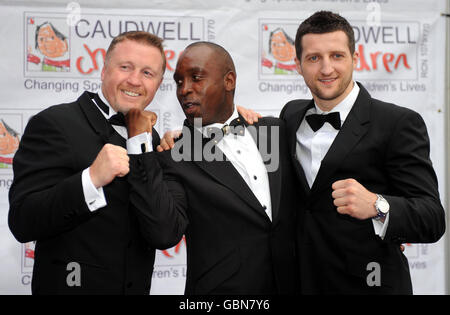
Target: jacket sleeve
point(416, 213)
point(159, 200)
point(285, 109)
point(46, 197)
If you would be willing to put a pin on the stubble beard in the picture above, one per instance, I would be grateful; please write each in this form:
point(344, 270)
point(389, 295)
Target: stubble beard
point(342, 87)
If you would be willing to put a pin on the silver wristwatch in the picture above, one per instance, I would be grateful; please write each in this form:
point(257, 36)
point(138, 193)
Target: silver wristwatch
point(382, 207)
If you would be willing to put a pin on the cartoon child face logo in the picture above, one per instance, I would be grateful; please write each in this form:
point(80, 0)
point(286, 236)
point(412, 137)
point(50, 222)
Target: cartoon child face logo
point(9, 139)
point(51, 48)
point(281, 46)
point(50, 42)
point(278, 51)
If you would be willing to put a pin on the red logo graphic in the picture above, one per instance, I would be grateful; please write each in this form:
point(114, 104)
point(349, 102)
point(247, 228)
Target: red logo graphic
point(176, 248)
point(389, 60)
point(170, 56)
point(29, 253)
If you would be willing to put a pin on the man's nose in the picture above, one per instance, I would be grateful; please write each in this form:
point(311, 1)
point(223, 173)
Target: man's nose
point(326, 66)
point(185, 87)
point(134, 78)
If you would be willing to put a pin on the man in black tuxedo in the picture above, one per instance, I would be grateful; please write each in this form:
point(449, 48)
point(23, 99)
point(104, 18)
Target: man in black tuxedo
point(366, 180)
point(220, 180)
point(70, 192)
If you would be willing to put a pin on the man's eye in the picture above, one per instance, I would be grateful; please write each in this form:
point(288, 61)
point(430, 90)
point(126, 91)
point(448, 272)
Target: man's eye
point(314, 58)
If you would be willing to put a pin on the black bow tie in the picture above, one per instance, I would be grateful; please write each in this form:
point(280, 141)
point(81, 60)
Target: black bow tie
point(236, 127)
point(316, 121)
point(118, 120)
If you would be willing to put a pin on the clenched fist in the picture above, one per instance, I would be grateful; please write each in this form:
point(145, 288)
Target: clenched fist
point(112, 161)
point(352, 198)
point(139, 121)
point(168, 142)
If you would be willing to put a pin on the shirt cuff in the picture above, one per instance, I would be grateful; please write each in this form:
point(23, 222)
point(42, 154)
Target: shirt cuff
point(95, 198)
point(380, 227)
point(139, 144)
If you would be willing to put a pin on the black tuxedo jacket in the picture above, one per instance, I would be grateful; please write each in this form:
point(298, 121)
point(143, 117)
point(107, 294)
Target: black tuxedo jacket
point(232, 246)
point(386, 148)
point(47, 205)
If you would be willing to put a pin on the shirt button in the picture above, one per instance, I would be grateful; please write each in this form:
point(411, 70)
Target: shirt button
point(254, 177)
point(238, 151)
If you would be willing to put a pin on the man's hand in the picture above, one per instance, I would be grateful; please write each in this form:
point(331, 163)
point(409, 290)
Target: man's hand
point(249, 115)
point(139, 122)
point(112, 161)
point(167, 142)
point(350, 197)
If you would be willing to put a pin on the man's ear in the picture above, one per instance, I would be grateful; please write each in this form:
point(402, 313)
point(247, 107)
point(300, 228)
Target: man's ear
point(298, 66)
point(230, 81)
point(355, 59)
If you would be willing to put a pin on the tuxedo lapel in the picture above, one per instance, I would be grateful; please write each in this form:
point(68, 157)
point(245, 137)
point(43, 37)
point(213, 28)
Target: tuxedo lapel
point(225, 173)
point(98, 122)
point(354, 128)
point(293, 123)
point(116, 139)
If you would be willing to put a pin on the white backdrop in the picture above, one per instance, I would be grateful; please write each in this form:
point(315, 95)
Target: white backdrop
point(402, 47)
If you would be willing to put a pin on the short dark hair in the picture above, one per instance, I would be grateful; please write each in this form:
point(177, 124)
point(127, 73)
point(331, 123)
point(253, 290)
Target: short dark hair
point(220, 51)
point(140, 37)
point(324, 22)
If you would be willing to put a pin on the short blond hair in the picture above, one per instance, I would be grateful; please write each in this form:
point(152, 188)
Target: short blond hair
point(140, 37)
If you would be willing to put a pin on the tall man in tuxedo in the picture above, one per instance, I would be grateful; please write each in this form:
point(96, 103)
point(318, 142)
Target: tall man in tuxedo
point(70, 192)
point(224, 182)
point(366, 180)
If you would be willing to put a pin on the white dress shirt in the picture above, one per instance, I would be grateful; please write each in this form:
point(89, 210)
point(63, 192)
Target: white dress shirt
point(313, 146)
point(244, 155)
point(95, 198)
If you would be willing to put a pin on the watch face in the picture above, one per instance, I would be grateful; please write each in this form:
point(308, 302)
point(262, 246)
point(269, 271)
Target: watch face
point(383, 206)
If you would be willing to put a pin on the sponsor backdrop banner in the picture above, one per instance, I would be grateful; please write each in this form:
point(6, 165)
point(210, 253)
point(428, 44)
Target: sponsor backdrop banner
point(402, 58)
